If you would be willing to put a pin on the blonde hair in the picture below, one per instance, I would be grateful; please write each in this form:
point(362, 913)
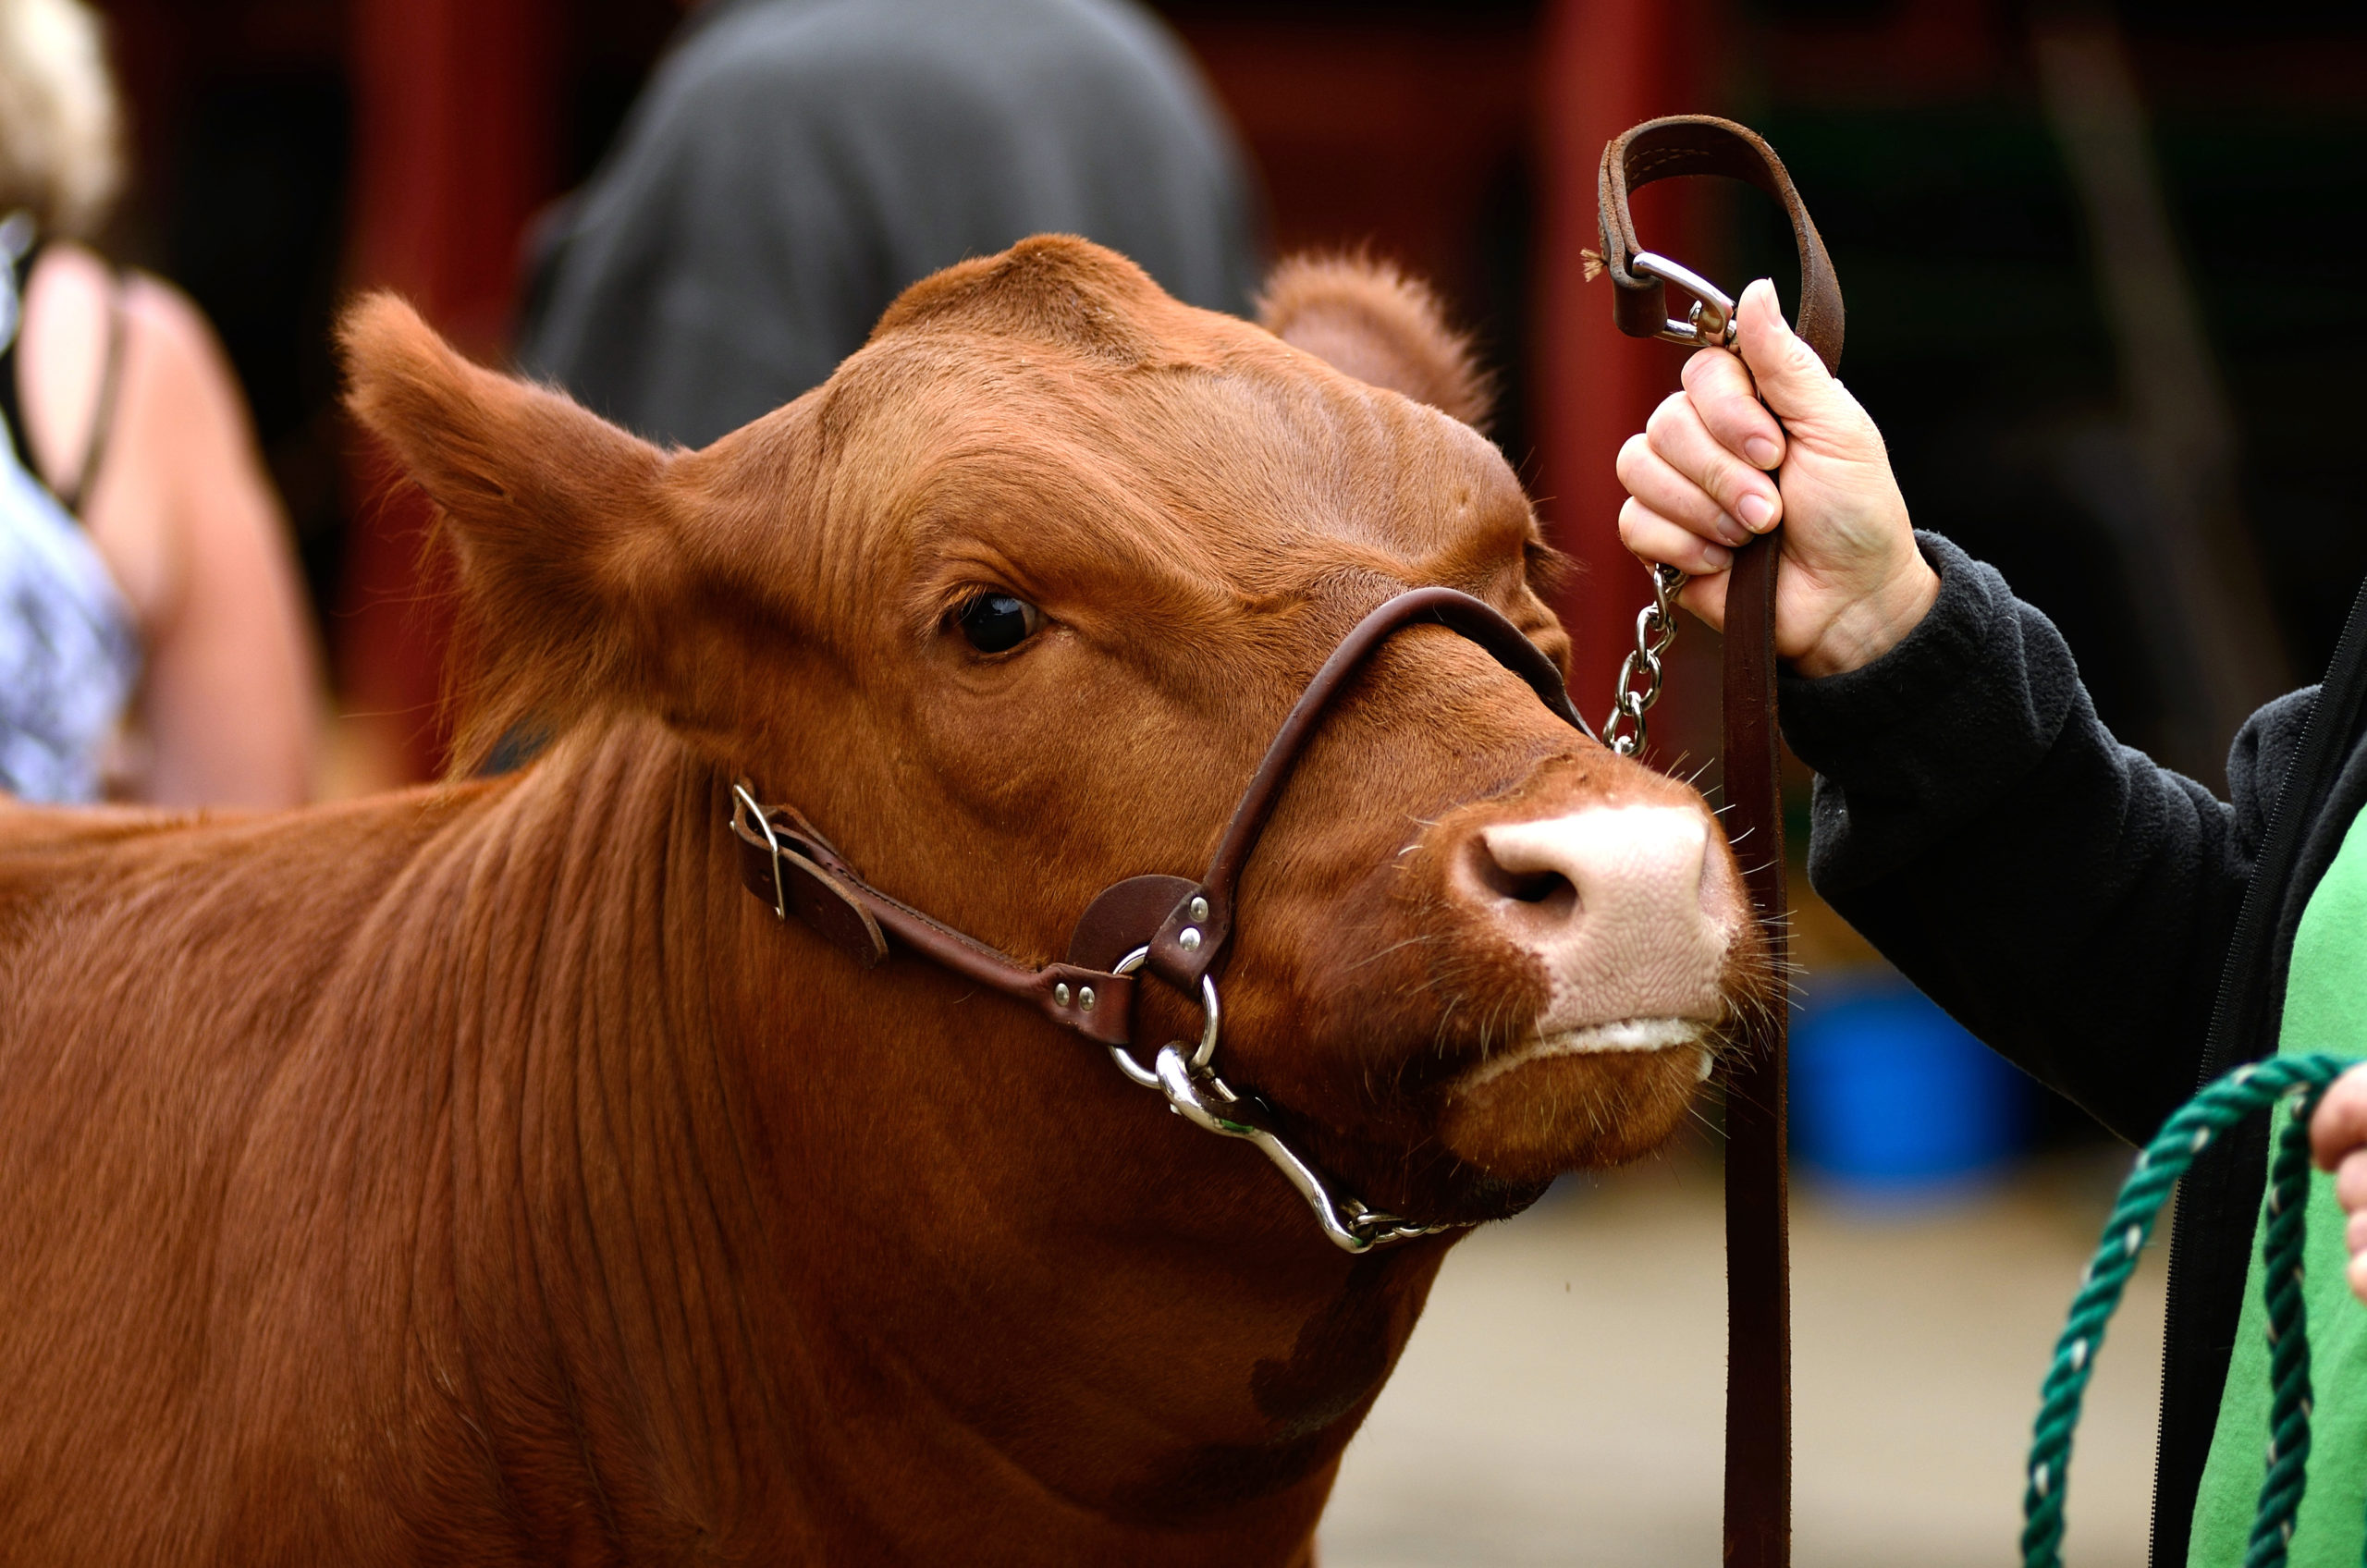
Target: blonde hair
point(60, 133)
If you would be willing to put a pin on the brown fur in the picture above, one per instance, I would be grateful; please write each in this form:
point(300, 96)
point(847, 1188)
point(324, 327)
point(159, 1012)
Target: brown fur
point(479, 1174)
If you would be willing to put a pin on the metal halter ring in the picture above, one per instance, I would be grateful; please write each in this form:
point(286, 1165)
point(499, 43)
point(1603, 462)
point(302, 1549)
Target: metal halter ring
point(1711, 322)
point(1209, 1017)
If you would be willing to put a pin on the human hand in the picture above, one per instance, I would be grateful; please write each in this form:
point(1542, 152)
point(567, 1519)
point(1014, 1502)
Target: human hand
point(1851, 583)
point(2339, 1139)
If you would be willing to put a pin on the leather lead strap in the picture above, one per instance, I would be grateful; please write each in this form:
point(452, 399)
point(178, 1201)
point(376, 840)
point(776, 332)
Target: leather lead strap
point(1759, 1262)
point(1759, 1327)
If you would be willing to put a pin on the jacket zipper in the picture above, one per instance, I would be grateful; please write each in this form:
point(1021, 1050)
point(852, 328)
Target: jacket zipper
point(2307, 764)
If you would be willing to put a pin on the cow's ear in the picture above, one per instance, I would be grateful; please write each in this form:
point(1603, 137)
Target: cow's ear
point(566, 554)
point(1368, 320)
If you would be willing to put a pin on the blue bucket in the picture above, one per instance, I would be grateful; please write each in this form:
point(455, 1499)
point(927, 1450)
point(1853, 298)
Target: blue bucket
point(1893, 1101)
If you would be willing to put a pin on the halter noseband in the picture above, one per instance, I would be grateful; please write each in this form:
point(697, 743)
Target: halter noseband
point(1169, 926)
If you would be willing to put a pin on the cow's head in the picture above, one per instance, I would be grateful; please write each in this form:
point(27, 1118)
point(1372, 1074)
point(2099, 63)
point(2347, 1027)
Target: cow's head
point(1011, 607)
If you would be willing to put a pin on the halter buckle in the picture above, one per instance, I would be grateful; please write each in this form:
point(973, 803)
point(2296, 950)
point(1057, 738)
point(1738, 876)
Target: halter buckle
point(742, 799)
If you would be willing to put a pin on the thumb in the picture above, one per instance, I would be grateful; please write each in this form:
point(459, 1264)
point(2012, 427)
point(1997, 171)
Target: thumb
point(1792, 381)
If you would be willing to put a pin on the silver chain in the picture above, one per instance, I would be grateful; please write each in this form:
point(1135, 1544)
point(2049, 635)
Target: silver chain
point(1709, 325)
point(1655, 630)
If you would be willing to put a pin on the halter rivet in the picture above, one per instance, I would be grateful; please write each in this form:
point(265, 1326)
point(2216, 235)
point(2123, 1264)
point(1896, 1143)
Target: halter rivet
point(1199, 909)
point(1061, 994)
point(1084, 997)
point(1189, 940)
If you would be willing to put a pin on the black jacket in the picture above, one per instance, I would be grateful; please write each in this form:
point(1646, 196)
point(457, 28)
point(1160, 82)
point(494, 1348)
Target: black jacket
point(2108, 924)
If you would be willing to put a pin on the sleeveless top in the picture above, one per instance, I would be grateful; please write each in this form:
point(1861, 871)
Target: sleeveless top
point(69, 652)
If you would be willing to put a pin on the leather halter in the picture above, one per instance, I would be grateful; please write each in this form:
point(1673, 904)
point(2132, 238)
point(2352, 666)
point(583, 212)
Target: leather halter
point(1174, 928)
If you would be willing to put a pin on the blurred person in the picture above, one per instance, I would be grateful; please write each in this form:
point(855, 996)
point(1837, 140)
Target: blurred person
point(153, 644)
point(2107, 924)
point(794, 164)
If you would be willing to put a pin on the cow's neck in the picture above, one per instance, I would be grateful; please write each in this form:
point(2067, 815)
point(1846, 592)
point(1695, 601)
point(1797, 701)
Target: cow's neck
point(559, 966)
point(873, 1255)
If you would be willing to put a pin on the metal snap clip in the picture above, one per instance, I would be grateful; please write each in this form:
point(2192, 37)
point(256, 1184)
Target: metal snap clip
point(1711, 322)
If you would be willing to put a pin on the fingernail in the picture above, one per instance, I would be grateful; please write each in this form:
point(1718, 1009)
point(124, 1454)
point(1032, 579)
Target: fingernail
point(1717, 557)
point(1733, 532)
point(1758, 512)
point(1761, 451)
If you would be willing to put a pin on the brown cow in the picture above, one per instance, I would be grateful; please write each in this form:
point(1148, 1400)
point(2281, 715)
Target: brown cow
point(480, 1174)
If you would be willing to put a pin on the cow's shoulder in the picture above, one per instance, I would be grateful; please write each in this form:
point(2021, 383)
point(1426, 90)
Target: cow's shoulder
point(111, 882)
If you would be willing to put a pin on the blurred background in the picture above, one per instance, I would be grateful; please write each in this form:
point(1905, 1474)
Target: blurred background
point(2104, 269)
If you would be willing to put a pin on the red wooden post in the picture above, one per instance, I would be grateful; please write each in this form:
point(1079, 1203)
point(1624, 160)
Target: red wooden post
point(455, 115)
point(1607, 65)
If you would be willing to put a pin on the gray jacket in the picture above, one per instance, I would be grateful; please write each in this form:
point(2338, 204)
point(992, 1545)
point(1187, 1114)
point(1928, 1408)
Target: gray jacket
point(795, 163)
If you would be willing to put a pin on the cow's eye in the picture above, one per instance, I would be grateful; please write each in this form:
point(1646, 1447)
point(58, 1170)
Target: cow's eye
point(997, 622)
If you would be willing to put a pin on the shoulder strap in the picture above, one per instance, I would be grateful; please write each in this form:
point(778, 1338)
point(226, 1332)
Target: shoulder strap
point(21, 267)
point(94, 448)
point(1758, 1344)
point(103, 406)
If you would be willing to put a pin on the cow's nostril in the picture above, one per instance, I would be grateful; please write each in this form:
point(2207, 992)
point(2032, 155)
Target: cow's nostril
point(1617, 902)
point(1550, 871)
point(1537, 885)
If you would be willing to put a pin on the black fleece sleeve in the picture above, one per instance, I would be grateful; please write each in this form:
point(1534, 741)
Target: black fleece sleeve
point(2067, 899)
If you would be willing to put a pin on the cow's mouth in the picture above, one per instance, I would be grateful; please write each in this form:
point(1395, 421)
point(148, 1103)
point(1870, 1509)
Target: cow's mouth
point(1578, 1098)
point(1619, 1034)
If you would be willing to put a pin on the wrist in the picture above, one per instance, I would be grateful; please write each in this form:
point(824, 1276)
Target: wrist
point(1872, 624)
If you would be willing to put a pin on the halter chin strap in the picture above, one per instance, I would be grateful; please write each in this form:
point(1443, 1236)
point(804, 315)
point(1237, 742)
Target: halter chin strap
point(1169, 927)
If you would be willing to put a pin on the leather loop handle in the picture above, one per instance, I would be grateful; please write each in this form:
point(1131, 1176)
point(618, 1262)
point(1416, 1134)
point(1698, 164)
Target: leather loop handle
point(1759, 1338)
point(1683, 144)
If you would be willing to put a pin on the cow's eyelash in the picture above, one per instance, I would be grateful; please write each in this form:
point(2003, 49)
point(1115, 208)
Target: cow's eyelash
point(951, 602)
point(934, 606)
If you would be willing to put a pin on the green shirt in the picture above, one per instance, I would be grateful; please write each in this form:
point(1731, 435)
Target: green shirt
point(2325, 1009)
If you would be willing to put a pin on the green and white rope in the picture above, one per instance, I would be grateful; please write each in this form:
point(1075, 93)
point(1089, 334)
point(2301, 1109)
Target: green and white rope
point(2220, 1106)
